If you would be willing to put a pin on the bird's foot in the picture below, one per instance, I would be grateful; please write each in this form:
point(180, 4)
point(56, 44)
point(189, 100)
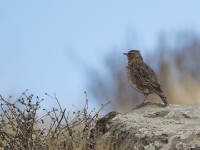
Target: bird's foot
point(141, 105)
point(165, 105)
point(145, 104)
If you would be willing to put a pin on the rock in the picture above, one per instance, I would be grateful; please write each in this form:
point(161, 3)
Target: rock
point(152, 127)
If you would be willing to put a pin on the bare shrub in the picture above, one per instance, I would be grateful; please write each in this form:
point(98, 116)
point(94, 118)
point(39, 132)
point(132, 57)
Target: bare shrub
point(21, 126)
point(178, 67)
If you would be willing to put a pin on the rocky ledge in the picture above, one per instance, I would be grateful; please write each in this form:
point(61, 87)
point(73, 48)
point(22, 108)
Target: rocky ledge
point(151, 127)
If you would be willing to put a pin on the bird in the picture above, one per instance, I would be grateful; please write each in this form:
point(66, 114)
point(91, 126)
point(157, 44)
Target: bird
point(142, 78)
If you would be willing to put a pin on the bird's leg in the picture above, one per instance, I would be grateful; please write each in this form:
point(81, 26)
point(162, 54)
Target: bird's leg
point(145, 97)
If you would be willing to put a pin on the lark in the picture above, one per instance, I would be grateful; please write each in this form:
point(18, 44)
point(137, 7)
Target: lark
point(142, 78)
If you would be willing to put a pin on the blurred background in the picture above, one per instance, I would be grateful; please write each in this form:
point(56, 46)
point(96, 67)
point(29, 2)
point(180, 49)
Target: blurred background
point(69, 47)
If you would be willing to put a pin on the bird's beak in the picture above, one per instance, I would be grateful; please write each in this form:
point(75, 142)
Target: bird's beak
point(125, 54)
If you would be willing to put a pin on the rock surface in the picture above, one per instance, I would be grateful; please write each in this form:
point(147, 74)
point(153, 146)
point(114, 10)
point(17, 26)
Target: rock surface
point(152, 127)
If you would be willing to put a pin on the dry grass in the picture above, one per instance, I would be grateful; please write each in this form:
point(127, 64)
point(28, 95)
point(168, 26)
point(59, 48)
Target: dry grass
point(22, 128)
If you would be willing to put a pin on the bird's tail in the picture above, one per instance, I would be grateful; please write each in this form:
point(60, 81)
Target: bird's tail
point(157, 89)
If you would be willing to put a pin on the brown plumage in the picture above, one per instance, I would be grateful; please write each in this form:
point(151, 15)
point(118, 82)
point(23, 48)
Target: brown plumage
point(141, 77)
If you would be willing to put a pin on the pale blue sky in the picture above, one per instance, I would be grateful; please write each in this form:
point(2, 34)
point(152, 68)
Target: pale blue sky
point(39, 38)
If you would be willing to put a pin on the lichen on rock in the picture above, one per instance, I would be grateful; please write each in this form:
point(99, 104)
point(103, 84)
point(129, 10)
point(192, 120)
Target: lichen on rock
point(153, 127)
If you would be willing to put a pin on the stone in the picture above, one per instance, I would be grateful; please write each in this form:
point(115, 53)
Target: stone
point(154, 127)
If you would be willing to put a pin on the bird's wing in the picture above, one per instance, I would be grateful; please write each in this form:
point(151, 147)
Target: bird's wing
point(148, 77)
